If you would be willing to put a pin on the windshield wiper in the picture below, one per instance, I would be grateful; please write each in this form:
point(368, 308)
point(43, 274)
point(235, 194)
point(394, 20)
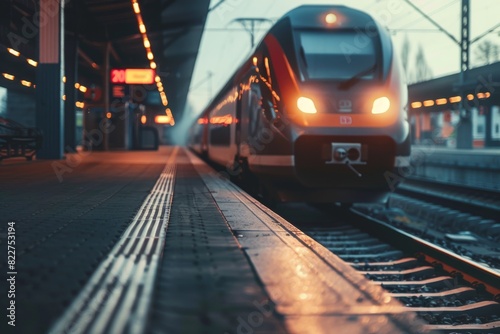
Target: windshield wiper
point(303, 55)
point(346, 84)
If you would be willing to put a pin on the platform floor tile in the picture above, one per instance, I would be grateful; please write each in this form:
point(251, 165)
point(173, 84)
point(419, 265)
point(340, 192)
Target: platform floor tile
point(205, 283)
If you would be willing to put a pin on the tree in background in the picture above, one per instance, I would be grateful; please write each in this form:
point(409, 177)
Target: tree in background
point(405, 56)
point(422, 69)
point(487, 52)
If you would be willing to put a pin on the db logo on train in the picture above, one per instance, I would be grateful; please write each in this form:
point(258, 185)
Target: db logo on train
point(345, 120)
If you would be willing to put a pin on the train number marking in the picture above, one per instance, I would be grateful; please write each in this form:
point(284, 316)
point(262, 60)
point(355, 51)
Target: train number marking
point(345, 120)
point(345, 106)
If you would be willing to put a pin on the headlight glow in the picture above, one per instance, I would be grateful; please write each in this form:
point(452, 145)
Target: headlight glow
point(331, 18)
point(306, 105)
point(381, 105)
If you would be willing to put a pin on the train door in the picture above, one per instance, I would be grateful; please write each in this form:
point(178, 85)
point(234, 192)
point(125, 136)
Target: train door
point(250, 106)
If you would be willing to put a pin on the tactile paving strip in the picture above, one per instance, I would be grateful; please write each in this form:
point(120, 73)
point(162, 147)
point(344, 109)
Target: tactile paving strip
point(117, 297)
point(65, 229)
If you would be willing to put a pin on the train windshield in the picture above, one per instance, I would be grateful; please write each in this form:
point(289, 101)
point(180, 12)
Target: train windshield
point(336, 55)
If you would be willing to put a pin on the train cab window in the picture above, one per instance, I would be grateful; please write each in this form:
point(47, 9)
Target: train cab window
point(336, 55)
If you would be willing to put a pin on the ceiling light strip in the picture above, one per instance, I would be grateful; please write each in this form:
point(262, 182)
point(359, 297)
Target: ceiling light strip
point(149, 53)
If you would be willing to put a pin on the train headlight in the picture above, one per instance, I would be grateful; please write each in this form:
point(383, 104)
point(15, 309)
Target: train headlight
point(331, 18)
point(381, 105)
point(306, 105)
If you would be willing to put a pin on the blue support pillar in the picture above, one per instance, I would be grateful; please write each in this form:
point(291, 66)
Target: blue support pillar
point(71, 94)
point(49, 84)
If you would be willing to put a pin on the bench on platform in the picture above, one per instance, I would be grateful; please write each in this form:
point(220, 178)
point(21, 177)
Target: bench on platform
point(17, 140)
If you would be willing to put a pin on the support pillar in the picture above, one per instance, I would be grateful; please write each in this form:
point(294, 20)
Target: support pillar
point(71, 72)
point(49, 85)
point(107, 84)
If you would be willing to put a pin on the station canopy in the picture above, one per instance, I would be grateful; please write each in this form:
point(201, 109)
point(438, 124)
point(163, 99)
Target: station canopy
point(173, 28)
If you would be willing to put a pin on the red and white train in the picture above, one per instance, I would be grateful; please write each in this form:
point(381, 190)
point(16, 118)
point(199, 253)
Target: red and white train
point(317, 113)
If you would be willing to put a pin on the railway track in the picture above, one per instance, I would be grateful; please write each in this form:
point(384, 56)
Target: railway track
point(460, 219)
point(474, 201)
point(452, 294)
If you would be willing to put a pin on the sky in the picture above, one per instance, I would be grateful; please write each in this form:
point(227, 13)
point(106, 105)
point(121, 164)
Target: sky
point(225, 44)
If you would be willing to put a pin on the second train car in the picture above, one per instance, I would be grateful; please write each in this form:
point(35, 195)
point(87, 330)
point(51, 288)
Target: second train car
point(317, 113)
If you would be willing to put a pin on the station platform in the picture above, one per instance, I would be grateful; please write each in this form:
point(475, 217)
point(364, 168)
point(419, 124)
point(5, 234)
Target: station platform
point(479, 168)
point(158, 242)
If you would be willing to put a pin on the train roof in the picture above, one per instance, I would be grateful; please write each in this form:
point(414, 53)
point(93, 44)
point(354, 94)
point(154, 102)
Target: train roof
point(305, 16)
point(313, 16)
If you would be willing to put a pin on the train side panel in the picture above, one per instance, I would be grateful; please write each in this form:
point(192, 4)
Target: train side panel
point(222, 129)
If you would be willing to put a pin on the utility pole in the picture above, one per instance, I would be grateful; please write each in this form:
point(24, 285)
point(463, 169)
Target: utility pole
point(250, 24)
point(464, 129)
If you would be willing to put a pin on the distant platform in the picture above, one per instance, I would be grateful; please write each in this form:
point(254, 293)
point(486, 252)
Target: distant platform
point(478, 168)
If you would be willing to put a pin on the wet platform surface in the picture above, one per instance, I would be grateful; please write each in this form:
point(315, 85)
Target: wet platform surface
point(157, 242)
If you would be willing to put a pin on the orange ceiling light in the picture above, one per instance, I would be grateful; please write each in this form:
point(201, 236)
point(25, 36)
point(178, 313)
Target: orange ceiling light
point(14, 52)
point(428, 103)
point(136, 7)
point(32, 62)
point(162, 119)
point(416, 105)
point(8, 76)
point(147, 46)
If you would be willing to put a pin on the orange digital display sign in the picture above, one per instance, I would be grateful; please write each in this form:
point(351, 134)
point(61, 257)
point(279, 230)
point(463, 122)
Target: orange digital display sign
point(133, 76)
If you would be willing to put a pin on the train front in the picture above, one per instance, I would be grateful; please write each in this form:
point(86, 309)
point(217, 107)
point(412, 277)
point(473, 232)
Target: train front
point(345, 104)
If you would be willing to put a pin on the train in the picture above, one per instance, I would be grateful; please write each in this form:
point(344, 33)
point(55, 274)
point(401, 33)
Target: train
point(317, 113)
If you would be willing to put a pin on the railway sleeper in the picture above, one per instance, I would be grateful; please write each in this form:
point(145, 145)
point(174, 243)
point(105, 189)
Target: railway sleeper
point(462, 292)
point(482, 308)
point(424, 271)
point(366, 249)
point(441, 283)
point(491, 327)
point(341, 236)
point(385, 256)
point(400, 264)
point(348, 243)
